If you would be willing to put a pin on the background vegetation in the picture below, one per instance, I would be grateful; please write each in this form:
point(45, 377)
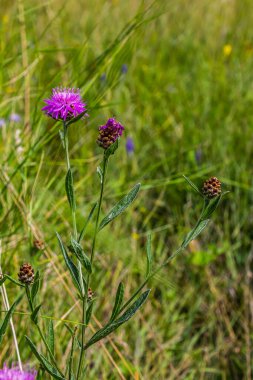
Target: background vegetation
point(178, 75)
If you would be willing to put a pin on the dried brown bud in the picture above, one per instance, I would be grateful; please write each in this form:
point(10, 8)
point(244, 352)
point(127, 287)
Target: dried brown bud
point(212, 188)
point(90, 294)
point(39, 244)
point(26, 274)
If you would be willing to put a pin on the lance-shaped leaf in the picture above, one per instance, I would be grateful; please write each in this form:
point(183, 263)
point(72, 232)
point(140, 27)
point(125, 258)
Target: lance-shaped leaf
point(149, 256)
point(50, 336)
point(14, 281)
point(118, 301)
point(34, 315)
point(45, 363)
point(195, 232)
point(70, 190)
point(70, 265)
point(81, 256)
point(2, 279)
point(75, 119)
point(193, 185)
point(7, 318)
point(87, 222)
point(35, 286)
point(120, 206)
point(112, 149)
point(108, 329)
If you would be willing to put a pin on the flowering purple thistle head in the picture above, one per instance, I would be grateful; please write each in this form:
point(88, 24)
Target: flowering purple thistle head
point(130, 146)
point(64, 104)
point(15, 117)
point(109, 133)
point(15, 374)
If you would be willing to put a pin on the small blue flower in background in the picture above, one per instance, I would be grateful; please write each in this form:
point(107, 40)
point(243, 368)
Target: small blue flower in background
point(130, 146)
point(15, 117)
point(124, 68)
point(198, 156)
point(103, 78)
point(2, 123)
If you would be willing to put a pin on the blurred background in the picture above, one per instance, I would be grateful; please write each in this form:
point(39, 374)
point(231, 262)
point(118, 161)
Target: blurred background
point(179, 76)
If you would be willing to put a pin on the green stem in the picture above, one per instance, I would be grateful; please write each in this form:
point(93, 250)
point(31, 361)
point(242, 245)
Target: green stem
point(28, 294)
point(105, 163)
point(176, 253)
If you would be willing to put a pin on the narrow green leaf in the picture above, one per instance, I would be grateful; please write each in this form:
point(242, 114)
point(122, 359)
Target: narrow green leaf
point(195, 232)
point(70, 265)
point(149, 256)
point(108, 329)
point(34, 315)
point(118, 301)
point(50, 336)
point(87, 222)
point(100, 173)
point(70, 190)
point(81, 256)
point(45, 363)
point(211, 206)
point(35, 286)
point(14, 281)
point(2, 279)
point(89, 312)
point(192, 185)
point(112, 149)
point(75, 119)
point(7, 318)
point(120, 206)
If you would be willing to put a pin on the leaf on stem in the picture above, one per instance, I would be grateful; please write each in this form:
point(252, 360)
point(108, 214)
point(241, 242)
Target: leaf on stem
point(45, 363)
point(120, 206)
point(2, 279)
point(35, 286)
point(118, 301)
point(112, 149)
point(7, 318)
point(50, 336)
point(14, 281)
point(87, 222)
point(70, 190)
point(81, 256)
point(195, 232)
point(193, 185)
point(70, 265)
point(109, 328)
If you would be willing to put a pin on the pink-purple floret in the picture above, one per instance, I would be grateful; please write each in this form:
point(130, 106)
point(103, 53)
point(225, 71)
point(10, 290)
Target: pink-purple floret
point(64, 104)
point(15, 374)
point(114, 126)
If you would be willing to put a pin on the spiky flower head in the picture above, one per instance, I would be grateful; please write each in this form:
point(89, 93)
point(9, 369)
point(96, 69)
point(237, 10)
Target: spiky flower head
point(26, 274)
point(211, 188)
point(15, 374)
point(109, 133)
point(64, 104)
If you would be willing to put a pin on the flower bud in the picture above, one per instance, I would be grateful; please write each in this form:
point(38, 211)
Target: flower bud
point(211, 188)
point(26, 274)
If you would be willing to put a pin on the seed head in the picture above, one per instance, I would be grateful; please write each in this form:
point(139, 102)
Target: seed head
point(109, 133)
point(64, 104)
point(211, 188)
point(26, 274)
point(39, 244)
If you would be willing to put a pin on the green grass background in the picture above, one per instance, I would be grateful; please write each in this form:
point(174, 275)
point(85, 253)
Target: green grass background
point(188, 89)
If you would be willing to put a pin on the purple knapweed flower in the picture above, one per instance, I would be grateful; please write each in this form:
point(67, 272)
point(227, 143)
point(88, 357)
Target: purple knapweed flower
point(2, 122)
point(130, 146)
point(64, 104)
point(15, 117)
point(109, 133)
point(15, 374)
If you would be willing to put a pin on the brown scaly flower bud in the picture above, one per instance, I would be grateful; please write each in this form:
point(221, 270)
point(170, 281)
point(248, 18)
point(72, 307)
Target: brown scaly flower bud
point(211, 188)
point(26, 274)
point(90, 294)
point(39, 244)
point(109, 133)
